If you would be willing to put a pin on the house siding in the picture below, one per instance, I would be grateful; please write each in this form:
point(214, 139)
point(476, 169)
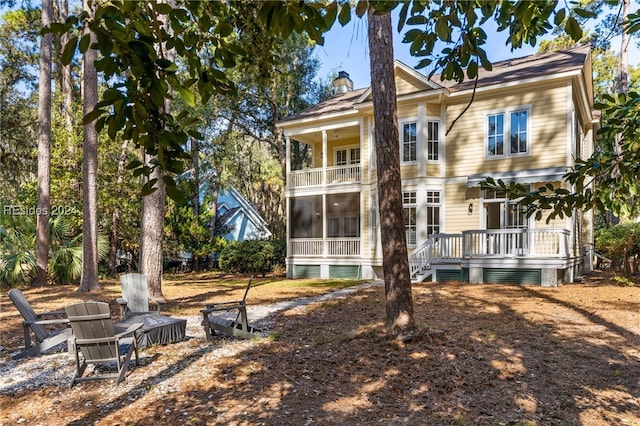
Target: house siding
point(466, 143)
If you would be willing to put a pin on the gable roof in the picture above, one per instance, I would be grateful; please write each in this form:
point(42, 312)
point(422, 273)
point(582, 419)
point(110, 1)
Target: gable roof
point(342, 102)
point(243, 207)
point(511, 70)
point(531, 66)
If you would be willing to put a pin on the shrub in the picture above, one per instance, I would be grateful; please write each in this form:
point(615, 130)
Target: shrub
point(620, 243)
point(251, 256)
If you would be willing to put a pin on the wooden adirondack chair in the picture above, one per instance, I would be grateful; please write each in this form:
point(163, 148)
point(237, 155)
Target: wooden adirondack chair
point(230, 328)
point(36, 324)
point(97, 343)
point(135, 298)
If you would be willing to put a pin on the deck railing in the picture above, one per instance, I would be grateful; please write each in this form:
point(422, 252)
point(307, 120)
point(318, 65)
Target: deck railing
point(320, 247)
point(333, 175)
point(451, 247)
point(438, 247)
point(516, 242)
point(495, 243)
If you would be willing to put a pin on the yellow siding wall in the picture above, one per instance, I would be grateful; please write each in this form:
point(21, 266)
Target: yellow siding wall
point(406, 84)
point(456, 204)
point(466, 144)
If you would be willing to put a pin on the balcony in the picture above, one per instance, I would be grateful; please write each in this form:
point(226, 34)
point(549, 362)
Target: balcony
point(334, 175)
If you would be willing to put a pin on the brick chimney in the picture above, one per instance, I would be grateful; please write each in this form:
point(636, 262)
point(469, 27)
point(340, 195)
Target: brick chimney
point(342, 83)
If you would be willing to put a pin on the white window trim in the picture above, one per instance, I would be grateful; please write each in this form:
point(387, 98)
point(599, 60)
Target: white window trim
point(440, 206)
point(507, 132)
point(401, 123)
point(432, 119)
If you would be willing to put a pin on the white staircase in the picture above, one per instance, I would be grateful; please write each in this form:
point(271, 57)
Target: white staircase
point(420, 261)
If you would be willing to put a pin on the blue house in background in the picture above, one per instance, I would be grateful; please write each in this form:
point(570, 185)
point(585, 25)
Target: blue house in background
point(241, 219)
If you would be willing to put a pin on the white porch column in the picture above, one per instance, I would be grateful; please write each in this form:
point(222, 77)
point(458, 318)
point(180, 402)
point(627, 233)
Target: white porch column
point(287, 160)
point(325, 249)
point(324, 164)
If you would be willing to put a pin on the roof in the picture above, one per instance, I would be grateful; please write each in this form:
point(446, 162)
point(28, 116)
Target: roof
point(525, 67)
point(343, 101)
point(503, 72)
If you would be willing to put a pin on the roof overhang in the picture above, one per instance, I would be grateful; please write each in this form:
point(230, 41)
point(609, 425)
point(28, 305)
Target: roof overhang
point(549, 174)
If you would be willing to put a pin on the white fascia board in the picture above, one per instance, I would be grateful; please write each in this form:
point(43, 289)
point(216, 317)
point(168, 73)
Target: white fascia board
point(427, 96)
point(317, 127)
point(415, 74)
point(584, 104)
point(546, 78)
point(312, 119)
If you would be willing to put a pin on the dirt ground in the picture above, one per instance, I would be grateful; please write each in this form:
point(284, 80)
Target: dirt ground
point(485, 355)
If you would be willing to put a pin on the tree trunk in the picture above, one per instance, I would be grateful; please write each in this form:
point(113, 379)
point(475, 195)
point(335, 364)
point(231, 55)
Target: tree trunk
point(395, 261)
point(152, 234)
point(67, 87)
point(89, 278)
point(195, 196)
point(623, 87)
point(152, 224)
point(44, 150)
point(115, 216)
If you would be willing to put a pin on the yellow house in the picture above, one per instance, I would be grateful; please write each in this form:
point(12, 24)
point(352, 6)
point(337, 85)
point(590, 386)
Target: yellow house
point(527, 121)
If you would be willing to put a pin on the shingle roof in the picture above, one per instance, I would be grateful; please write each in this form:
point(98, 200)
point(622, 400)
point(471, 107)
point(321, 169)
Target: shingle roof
point(523, 68)
point(503, 72)
point(341, 102)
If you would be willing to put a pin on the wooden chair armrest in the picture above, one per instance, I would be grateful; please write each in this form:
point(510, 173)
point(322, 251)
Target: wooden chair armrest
point(224, 305)
point(158, 302)
point(130, 330)
point(47, 322)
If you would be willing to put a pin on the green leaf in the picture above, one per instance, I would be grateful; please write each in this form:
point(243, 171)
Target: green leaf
point(345, 14)
point(134, 164)
point(148, 188)
point(188, 96)
point(560, 15)
point(92, 116)
point(224, 29)
point(583, 13)
point(572, 27)
point(69, 50)
point(472, 70)
point(85, 42)
point(402, 18)
point(443, 30)
point(361, 8)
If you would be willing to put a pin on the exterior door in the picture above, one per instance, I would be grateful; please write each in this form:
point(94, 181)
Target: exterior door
point(503, 219)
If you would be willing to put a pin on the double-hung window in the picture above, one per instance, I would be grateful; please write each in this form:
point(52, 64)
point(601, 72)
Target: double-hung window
point(433, 212)
point(432, 140)
point(409, 146)
point(409, 203)
point(508, 133)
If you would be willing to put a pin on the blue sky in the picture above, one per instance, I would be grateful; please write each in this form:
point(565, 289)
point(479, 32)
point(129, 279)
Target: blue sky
point(346, 49)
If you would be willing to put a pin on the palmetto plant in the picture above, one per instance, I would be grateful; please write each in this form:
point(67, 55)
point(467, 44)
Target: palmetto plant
point(17, 249)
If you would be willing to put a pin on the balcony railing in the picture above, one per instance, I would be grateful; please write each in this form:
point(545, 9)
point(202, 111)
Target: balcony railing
point(328, 247)
point(330, 176)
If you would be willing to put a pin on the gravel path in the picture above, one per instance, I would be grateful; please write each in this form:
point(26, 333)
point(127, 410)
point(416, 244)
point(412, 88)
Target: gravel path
point(57, 368)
